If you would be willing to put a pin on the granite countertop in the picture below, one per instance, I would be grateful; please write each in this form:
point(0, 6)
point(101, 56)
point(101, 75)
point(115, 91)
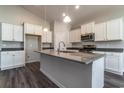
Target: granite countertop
point(80, 57)
point(12, 49)
point(99, 49)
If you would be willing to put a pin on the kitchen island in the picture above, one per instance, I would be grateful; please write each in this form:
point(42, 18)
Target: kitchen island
point(73, 69)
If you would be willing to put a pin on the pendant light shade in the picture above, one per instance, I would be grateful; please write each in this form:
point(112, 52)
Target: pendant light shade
point(67, 19)
point(45, 29)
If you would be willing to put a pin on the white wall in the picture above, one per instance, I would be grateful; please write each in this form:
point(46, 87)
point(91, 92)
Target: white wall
point(61, 33)
point(18, 15)
point(108, 15)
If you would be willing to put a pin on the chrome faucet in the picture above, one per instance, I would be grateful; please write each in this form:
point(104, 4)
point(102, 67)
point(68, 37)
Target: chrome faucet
point(59, 45)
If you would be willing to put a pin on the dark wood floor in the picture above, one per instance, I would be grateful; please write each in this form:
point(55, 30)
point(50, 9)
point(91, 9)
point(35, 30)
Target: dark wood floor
point(31, 77)
point(25, 77)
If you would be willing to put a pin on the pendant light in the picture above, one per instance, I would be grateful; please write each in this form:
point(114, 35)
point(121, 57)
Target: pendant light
point(45, 29)
point(67, 18)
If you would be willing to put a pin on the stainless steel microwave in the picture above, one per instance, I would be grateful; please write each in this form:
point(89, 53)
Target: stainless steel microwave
point(88, 37)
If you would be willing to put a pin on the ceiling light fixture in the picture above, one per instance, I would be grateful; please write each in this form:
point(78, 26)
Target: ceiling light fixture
point(45, 29)
point(77, 7)
point(67, 19)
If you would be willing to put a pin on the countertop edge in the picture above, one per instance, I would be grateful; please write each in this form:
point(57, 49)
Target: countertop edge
point(71, 59)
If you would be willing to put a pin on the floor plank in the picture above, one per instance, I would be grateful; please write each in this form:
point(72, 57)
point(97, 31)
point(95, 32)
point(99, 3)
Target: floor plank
point(30, 76)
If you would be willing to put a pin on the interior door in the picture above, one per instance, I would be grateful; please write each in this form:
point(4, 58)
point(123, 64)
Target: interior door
point(31, 46)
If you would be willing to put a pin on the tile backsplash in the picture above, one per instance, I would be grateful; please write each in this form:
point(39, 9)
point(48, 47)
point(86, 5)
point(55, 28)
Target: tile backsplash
point(12, 44)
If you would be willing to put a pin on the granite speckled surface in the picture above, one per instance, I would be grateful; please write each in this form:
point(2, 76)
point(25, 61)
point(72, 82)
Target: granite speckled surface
point(80, 57)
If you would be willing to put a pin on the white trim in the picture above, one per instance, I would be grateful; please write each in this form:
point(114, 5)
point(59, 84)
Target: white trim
point(114, 72)
point(52, 79)
point(11, 67)
point(31, 61)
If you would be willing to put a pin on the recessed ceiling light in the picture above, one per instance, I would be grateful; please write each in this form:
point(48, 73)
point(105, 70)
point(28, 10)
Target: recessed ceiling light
point(77, 7)
point(63, 14)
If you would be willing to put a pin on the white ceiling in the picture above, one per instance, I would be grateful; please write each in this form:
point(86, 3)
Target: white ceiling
point(54, 12)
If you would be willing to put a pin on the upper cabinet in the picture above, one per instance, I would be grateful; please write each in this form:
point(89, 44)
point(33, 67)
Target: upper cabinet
point(87, 28)
point(33, 29)
point(7, 32)
point(46, 37)
point(12, 32)
point(75, 35)
point(115, 29)
point(18, 33)
point(100, 32)
point(110, 30)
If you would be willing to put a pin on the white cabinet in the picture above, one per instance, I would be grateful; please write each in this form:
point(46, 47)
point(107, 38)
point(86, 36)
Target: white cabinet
point(49, 37)
point(18, 33)
point(110, 30)
point(46, 37)
point(7, 32)
point(87, 28)
point(12, 59)
point(75, 35)
point(100, 32)
point(115, 29)
point(12, 32)
point(6, 59)
point(33, 29)
point(38, 30)
point(114, 63)
point(19, 58)
point(29, 28)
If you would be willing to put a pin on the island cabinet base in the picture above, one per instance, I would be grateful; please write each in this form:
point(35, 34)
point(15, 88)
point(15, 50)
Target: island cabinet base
point(72, 74)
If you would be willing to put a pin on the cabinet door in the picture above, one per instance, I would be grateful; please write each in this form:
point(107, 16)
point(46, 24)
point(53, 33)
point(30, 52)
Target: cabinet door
point(18, 33)
point(90, 27)
point(6, 60)
point(75, 35)
point(19, 58)
point(44, 38)
point(113, 61)
point(49, 37)
point(7, 32)
point(29, 28)
point(83, 29)
point(71, 36)
point(87, 28)
point(100, 32)
point(115, 29)
point(38, 30)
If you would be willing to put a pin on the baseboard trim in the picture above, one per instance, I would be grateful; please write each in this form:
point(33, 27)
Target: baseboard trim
point(52, 79)
point(11, 67)
point(114, 72)
point(32, 61)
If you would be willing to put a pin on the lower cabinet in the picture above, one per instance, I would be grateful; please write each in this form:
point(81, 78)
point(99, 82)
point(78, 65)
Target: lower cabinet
point(114, 63)
point(12, 59)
